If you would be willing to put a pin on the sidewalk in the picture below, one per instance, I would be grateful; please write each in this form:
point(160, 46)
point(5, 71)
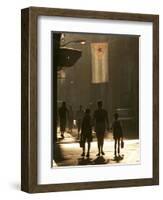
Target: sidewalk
point(71, 153)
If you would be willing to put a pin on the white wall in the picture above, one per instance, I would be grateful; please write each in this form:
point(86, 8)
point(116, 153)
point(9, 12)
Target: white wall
point(10, 97)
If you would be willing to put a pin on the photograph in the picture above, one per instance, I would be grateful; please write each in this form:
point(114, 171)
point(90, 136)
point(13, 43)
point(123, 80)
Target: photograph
point(90, 99)
point(95, 99)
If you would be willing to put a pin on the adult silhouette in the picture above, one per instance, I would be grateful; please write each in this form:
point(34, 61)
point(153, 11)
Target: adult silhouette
point(101, 123)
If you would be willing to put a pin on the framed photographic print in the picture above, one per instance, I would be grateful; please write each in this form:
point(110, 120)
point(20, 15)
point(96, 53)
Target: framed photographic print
point(90, 99)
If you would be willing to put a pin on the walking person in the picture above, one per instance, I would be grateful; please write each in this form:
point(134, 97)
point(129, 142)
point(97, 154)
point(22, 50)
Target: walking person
point(101, 123)
point(86, 132)
point(117, 134)
point(79, 118)
point(63, 115)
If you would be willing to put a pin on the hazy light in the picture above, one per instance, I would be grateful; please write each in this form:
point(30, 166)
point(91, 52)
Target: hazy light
point(83, 42)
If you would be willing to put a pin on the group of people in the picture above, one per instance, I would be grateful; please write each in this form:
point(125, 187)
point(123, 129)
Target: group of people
point(98, 121)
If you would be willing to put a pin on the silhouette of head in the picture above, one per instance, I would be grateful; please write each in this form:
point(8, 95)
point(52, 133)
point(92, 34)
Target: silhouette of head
point(116, 116)
point(99, 104)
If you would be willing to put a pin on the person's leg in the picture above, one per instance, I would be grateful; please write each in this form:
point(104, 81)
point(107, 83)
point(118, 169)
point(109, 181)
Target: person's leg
point(102, 144)
point(118, 146)
point(98, 145)
point(99, 142)
point(62, 127)
point(98, 149)
point(83, 154)
point(89, 146)
point(62, 132)
point(115, 147)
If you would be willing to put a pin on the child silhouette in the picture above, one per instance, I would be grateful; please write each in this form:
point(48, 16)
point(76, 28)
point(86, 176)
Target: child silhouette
point(117, 134)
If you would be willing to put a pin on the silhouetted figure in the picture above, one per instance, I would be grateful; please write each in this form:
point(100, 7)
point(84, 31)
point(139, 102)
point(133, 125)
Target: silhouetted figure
point(117, 134)
point(70, 119)
point(86, 132)
point(79, 118)
point(101, 124)
point(63, 114)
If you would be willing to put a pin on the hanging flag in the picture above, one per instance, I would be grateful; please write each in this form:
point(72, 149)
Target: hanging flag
point(99, 53)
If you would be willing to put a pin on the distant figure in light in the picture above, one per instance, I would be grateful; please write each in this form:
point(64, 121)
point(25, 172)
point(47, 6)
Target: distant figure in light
point(79, 118)
point(101, 122)
point(117, 134)
point(86, 132)
point(63, 115)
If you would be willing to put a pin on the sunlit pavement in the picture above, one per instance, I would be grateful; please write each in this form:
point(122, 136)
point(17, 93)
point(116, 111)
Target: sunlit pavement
point(71, 153)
